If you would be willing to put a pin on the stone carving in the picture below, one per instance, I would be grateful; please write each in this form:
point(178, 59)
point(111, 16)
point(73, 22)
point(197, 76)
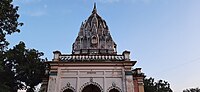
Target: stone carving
point(92, 57)
point(94, 36)
point(89, 83)
point(68, 86)
point(91, 79)
point(114, 86)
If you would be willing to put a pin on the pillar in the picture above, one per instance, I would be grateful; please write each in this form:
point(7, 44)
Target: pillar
point(138, 78)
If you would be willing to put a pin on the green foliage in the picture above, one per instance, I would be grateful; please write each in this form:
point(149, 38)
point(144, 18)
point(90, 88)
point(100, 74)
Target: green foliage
point(8, 21)
point(192, 90)
point(20, 68)
point(8, 25)
point(160, 86)
point(24, 68)
point(3, 75)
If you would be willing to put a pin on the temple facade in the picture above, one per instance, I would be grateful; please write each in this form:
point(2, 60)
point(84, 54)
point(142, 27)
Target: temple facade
point(94, 64)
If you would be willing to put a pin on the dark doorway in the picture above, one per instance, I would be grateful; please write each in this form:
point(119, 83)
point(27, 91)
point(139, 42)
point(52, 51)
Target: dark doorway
point(113, 90)
point(91, 88)
point(68, 90)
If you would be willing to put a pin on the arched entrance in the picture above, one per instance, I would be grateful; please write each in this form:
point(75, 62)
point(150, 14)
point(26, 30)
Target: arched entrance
point(91, 88)
point(114, 90)
point(68, 90)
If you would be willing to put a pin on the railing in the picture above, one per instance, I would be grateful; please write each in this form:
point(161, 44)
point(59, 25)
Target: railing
point(91, 57)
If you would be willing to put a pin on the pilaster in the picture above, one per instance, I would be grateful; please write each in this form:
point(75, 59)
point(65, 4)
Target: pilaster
point(138, 78)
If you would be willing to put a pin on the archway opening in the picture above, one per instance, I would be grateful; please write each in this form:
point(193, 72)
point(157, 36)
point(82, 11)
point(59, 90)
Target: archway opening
point(68, 90)
point(114, 90)
point(91, 88)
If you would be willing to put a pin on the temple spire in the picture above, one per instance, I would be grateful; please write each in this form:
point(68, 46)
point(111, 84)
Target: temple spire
point(94, 37)
point(94, 9)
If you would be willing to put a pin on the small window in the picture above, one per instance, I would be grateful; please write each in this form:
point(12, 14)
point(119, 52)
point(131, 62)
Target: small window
point(94, 40)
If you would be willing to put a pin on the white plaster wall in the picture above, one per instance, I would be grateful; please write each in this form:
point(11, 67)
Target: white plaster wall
point(129, 83)
point(78, 76)
point(64, 81)
point(117, 81)
point(52, 84)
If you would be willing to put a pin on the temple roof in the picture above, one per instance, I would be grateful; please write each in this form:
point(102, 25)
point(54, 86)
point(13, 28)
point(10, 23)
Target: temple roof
point(94, 37)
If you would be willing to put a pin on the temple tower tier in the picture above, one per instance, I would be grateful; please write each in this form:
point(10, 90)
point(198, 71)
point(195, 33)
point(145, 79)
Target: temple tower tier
point(94, 37)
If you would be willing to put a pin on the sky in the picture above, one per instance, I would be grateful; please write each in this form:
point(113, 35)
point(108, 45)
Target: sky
point(162, 35)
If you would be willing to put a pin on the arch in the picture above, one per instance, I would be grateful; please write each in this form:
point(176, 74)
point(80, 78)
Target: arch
point(68, 88)
point(94, 40)
point(91, 88)
point(114, 88)
point(93, 85)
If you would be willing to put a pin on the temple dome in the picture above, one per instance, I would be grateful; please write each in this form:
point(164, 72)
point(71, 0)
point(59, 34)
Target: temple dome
point(94, 37)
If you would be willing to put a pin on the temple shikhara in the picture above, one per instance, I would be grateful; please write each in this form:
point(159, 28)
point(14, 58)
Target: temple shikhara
point(94, 64)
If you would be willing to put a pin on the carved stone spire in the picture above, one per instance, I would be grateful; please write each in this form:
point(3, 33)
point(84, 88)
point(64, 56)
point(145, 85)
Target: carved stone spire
point(94, 9)
point(94, 37)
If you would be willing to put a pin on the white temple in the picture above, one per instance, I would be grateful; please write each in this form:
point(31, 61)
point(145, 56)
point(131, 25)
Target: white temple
point(94, 64)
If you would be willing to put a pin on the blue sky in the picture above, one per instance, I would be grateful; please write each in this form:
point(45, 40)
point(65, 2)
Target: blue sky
point(162, 35)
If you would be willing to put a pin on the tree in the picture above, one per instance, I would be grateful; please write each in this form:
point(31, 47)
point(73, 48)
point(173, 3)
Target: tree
point(192, 90)
point(20, 68)
point(8, 21)
point(8, 25)
point(160, 86)
point(24, 67)
point(3, 77)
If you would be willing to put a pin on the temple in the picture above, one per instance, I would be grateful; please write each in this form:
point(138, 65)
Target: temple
point(94, 64)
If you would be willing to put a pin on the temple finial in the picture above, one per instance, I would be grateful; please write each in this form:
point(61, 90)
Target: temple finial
point(94, 9)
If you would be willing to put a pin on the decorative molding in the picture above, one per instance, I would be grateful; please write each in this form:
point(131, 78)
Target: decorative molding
point(89, 83)
point(91, 57)
point(53, 73)
point(128, 73)
point(114, 86)
point(91, 79)
point(68, 86)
